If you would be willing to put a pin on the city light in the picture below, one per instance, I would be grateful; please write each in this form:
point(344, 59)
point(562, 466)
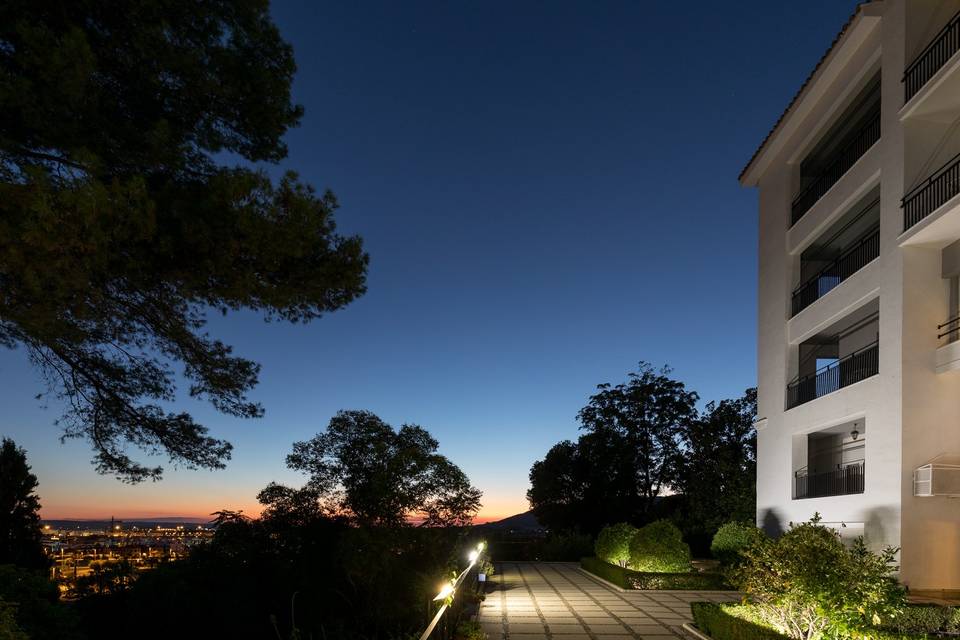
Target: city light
point(473, 556)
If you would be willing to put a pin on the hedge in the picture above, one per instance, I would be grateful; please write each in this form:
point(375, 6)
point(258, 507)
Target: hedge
point(927, 619)
point(627, 579)
point(739, 622)
point(717, 622)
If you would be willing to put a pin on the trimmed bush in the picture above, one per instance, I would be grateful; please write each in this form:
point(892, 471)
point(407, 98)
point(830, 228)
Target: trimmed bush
point(613, 543)
point(659, 548)
point(609, 572)
point(731, 539)
point(677, 581)
point(926, 619)
point(627, 579)
point(730, 622)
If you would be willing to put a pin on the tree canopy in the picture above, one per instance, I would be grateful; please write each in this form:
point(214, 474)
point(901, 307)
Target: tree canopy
point(20, 536)
point(648, 453)
point(628, 455)
point(122, 223)
point(362, 469)
point(718, 471)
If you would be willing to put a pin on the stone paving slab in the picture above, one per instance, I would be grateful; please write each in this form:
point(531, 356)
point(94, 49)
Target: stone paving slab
point(557, 601)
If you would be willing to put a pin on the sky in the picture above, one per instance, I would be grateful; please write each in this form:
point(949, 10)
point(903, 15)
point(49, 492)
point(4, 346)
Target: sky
point(548, 193)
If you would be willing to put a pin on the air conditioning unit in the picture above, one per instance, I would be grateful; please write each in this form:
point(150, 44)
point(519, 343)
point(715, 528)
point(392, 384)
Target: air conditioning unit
point(939, 477)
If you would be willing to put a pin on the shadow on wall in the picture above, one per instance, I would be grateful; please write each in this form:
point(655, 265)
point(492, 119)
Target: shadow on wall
point(772, 523)
point(877, 527)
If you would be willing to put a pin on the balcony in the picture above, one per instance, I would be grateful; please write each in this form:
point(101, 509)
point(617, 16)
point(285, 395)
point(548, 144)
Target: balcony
point(948, 354)
point(845, 480)
point(931, 194)
point(849, 262)
point(842, 162)
point(853, 368)
point(936, 54)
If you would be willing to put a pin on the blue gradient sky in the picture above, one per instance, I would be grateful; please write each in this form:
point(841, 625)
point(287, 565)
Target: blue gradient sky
point(548, 193)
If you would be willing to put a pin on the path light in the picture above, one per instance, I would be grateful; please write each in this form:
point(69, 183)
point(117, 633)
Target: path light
point(473, 556)
point(445, 591)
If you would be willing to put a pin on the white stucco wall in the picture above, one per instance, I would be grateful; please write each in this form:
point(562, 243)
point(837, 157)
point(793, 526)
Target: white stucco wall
point(910, 412)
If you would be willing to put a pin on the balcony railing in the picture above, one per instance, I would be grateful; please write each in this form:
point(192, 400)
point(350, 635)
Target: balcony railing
point(943, 46)
point(846, 480)
point(850, 369)
point(929, 195)
point(950, 329)
point(844, 160)
point(851, 260)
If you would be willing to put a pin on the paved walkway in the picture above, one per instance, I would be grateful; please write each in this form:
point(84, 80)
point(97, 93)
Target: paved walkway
point(534, 600)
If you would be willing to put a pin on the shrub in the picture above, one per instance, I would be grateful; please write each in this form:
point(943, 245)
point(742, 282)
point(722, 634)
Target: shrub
point(731, 539)
point(627, 579)
point(731, 622)
point(613, 543)
point(926, 619)
point(807, 583)
point(677, 581)
point(470, 630)
point(659, 548)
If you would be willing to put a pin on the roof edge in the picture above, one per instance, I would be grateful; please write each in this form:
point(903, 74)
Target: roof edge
point(803, 87)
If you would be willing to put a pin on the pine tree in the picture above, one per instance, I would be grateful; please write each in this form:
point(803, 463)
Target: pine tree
point(20, 536)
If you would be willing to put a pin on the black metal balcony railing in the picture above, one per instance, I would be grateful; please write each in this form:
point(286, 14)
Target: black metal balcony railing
point(952, 332)
point(929, 195)
point(851, 260)
point(844, 481)
point(850, 369)
point(844, 160)
point(943, 46)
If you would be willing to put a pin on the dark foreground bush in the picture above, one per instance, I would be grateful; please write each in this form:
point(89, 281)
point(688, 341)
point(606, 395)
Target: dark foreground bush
point(641, 580)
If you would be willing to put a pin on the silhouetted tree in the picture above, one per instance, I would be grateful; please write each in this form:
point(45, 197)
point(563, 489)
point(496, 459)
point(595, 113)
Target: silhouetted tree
point(622, 465)
point(362, 469)
point(20, 535)
point(718, 473)
point(120, 224)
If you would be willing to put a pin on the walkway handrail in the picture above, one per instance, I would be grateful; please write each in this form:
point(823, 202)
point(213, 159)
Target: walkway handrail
point(449, 590)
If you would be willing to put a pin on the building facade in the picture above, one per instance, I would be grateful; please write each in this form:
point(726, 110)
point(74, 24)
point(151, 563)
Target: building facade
point(859, 264)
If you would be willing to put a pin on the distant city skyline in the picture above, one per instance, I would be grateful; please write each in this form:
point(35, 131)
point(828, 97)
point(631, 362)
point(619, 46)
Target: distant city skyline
point(548, 194)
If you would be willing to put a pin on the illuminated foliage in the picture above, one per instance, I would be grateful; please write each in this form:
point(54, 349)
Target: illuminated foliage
point(121, 223)
point(807, 583)
point(613, 543)
point(732, 539)
point(659, 548)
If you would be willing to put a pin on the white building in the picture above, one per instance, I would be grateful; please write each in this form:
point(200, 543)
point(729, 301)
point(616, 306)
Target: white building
point(859, 337)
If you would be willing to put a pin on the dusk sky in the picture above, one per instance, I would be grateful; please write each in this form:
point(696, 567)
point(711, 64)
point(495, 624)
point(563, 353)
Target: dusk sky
point(548, 193)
